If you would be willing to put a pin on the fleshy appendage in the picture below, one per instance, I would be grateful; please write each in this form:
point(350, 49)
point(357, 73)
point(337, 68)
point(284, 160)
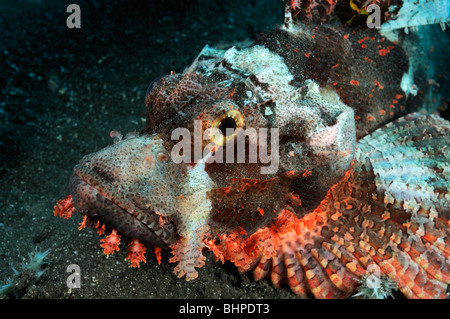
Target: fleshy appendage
point(389, 214)
point(192, 217)
point(64, 207)
point(188, 253)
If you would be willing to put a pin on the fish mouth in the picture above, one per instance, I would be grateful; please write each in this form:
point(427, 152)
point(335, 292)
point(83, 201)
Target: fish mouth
point(92, 197)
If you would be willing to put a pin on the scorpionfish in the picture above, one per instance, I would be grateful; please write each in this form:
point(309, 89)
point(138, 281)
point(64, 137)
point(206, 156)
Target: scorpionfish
point(304, 158)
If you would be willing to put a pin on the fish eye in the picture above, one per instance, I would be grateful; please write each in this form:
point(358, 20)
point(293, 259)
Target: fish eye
point(227, 126)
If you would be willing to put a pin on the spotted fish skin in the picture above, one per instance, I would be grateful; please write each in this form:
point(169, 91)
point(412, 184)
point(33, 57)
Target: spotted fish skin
point(361, 181)
point(370, 219)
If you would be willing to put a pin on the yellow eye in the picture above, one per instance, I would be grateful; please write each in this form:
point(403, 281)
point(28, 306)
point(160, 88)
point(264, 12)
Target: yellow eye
point(226, 127)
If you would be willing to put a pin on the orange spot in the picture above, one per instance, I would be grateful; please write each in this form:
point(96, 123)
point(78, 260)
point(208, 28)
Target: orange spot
point(398, 96)
point(345, 36)
point(370, 117)
point(357, 117)
point(391, 106)
point(313, 36)
point(307, 55)
point(261, 211)
point(334, 83)
point(382, 112)
point(394, 101)
point(353, 82)
point(383, 52)
point(111, 242)
point(378, 84)
point(335, 66)
point(136, 253)
point(161, 221)
point(226, 190)
point(363, 46)
point(149, 159)
point(295, 50)
point(309, 223)
point(370, 95)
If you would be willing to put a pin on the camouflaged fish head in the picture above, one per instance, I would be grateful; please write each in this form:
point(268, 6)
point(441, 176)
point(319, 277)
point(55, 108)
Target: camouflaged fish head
point(224, 149)
point(252, 153)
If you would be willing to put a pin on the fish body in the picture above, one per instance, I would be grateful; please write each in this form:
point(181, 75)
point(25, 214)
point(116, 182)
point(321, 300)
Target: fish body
point(300, 158)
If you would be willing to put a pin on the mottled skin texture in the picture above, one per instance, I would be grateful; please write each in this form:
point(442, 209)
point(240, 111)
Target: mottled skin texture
point(350, 191)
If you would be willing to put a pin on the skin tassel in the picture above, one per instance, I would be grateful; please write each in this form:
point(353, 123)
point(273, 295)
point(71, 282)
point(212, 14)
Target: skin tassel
point(64, 207)
point(136, 253)
point(111, 242)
